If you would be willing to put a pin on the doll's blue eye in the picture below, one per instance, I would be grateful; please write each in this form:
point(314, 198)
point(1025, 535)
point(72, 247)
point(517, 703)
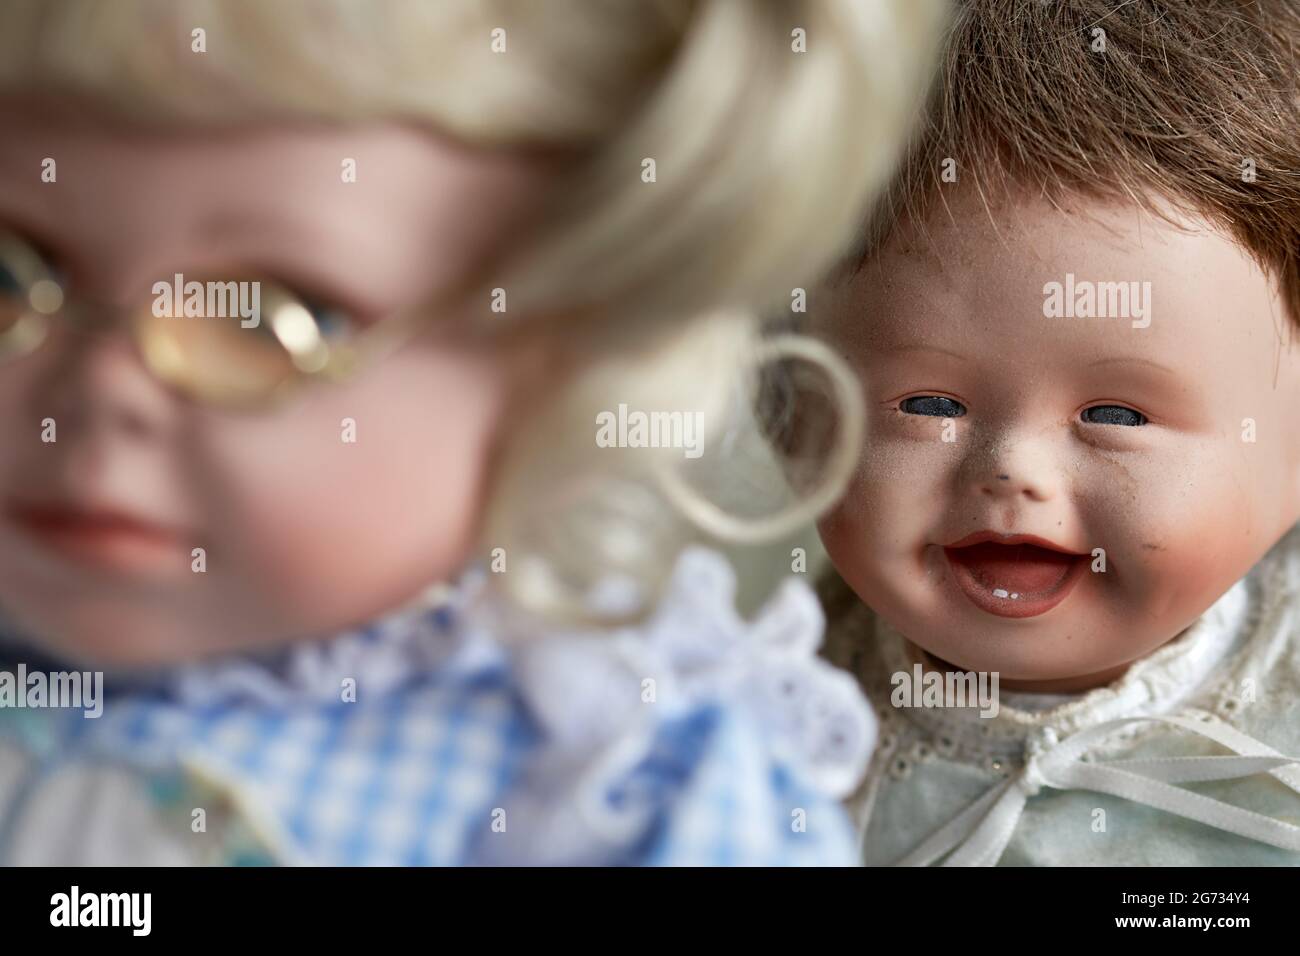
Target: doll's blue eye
point(934, 405)
point(1112, 415)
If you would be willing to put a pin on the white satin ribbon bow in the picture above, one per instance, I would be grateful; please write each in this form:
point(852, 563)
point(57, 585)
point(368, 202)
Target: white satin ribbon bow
point(980, 833)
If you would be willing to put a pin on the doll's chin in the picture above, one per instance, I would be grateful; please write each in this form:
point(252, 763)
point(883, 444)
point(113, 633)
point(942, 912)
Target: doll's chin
point(1023, 657)
point(94, 635)
point(112, 650)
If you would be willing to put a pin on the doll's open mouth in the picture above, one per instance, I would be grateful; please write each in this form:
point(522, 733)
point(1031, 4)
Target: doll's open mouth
point(1013, 576)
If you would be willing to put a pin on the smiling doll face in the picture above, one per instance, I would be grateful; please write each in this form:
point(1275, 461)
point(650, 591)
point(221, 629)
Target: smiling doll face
point(303, 531)
point(1011, 447)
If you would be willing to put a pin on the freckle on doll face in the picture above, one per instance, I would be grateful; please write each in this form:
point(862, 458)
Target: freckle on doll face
point(1169, 448)
point(304, 533)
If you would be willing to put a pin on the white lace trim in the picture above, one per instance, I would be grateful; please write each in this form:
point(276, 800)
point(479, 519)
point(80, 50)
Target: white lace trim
point(601, 698)
point(409, 641)
point(589, 691)
point(1155, 684)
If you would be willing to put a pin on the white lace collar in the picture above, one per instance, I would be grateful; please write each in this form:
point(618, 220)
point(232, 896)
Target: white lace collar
point(586, 688)
point(1155, 684)
point(420, 636)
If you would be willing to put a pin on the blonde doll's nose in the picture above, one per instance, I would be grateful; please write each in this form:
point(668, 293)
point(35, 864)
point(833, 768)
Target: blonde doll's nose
point(99, 380)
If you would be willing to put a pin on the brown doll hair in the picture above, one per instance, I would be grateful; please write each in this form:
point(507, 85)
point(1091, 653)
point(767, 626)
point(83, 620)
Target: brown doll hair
point(1146, 100)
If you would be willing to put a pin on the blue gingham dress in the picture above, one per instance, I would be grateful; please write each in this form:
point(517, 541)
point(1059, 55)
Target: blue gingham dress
point(697, 738)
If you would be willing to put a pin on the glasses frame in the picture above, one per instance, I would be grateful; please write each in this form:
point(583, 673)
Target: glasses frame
point(313, 359)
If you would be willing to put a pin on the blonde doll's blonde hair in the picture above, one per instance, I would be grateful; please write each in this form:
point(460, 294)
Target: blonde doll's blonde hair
point(771, 124)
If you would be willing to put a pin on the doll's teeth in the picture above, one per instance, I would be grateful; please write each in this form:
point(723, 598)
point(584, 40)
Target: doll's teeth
point(998, 592)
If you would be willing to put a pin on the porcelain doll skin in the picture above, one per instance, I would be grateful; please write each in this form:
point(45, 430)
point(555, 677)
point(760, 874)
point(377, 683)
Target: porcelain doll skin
point(303, 533)
point(1182, 503)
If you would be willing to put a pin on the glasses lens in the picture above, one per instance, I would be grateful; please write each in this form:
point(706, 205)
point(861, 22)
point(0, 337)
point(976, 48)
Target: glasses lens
point(217, 345)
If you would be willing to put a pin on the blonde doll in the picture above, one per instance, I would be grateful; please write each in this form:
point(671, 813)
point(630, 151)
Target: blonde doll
point(471, 229)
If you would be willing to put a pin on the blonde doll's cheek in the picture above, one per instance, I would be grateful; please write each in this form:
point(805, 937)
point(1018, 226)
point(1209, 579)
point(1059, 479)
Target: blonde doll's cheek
point(357, 498)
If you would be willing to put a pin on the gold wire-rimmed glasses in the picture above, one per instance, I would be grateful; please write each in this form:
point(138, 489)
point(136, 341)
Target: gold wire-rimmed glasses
point(221, 361)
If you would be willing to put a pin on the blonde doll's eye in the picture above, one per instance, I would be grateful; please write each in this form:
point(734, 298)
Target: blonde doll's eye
point(1112, 415)
point(937, 406)
point(28, 292)
point(331, 321)
point(247, 362)
point(10, 285)
point(12, 297)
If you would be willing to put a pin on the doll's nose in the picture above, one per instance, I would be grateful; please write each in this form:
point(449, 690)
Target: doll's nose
point(1019, 466)
point(100, 381)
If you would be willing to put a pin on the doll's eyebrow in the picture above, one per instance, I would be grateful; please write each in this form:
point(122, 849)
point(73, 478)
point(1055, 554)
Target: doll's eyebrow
point(919, 347)
point(1133, 360)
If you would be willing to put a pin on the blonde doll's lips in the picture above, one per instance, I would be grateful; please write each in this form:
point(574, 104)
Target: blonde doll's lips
point(1013, 575)
point(102, 539)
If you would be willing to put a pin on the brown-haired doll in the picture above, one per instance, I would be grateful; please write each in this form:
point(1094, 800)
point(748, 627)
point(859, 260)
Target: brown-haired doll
point(1068, 569)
